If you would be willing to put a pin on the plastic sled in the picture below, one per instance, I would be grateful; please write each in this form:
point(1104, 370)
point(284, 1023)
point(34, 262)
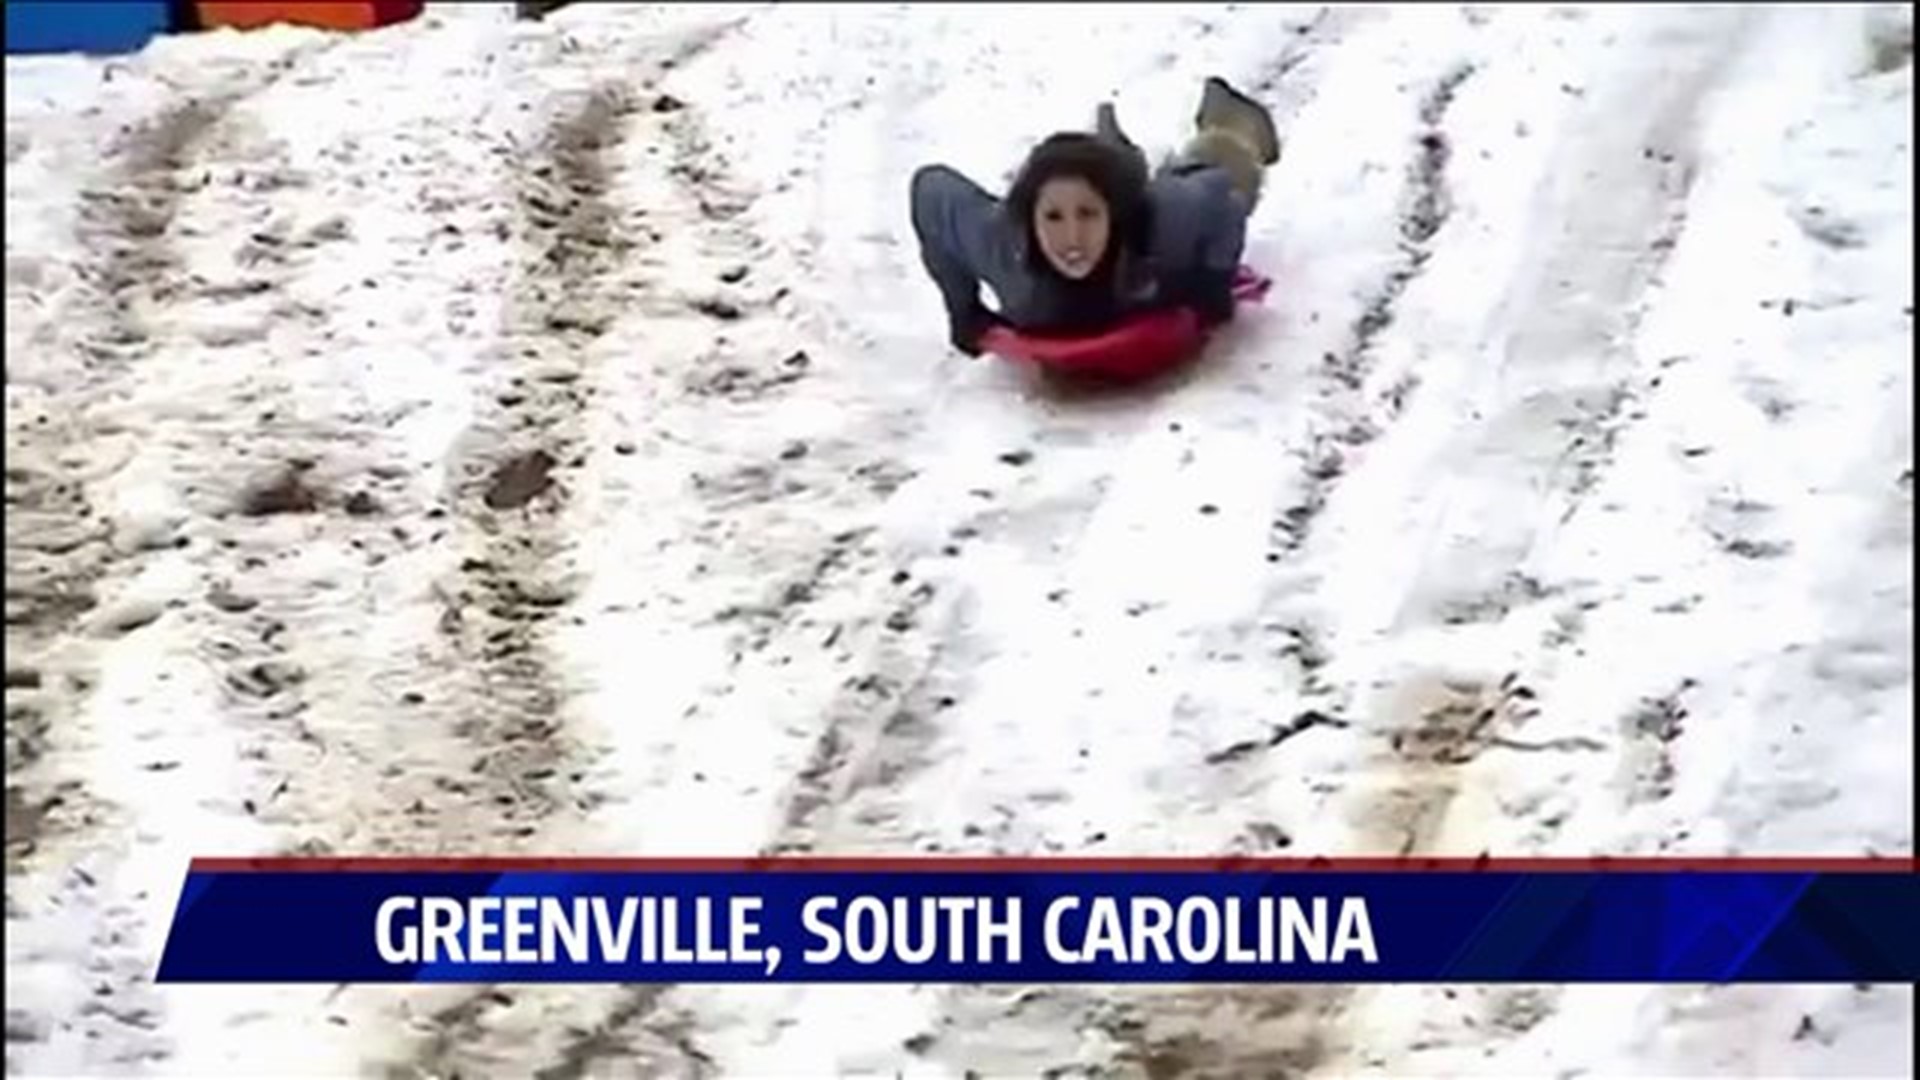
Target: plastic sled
point(1141, 346)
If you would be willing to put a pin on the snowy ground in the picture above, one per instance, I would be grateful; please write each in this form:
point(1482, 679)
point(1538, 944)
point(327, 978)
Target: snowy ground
point(493, 437)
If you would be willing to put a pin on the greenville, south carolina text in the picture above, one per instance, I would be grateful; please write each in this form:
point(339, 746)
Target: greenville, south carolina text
point(868, 930)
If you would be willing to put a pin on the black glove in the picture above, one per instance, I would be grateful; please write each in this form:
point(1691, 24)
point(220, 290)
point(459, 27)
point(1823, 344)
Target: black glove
point(1211, 297)
point(967, 327)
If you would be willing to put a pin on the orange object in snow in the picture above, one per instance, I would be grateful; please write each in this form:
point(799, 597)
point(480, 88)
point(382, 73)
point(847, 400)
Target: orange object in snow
point(327, 14)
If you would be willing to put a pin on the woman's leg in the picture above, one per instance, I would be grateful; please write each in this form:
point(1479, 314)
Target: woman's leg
point(1224, 108)
point(1231, 132)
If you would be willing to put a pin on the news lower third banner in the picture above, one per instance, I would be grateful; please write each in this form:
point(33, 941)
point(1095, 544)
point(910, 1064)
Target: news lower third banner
point(1045, 921)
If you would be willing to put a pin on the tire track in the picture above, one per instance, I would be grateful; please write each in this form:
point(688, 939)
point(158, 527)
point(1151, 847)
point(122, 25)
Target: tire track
point(511, 492)
point(512, 497)
point(586, 262)
point(78, 564)
point(62, 544)
point(800, 512)
point(752, 513)
point(59, 545)
point(260, 619)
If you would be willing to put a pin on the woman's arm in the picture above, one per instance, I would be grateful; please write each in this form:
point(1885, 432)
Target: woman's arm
point(954, 220)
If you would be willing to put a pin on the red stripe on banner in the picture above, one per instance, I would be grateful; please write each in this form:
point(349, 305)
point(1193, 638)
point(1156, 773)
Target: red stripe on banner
point(1055, 864)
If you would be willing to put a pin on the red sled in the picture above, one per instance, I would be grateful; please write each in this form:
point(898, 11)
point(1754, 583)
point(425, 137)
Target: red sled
point(1144, 345)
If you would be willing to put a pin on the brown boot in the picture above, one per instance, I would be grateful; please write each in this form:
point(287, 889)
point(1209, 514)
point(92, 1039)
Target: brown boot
point(1227, 109)
point(1235, 133)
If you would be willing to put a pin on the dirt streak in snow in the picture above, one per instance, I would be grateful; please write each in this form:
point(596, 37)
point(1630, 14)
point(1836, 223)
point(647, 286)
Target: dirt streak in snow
point(1359, 420)
point(258, 469)
point(60, 546)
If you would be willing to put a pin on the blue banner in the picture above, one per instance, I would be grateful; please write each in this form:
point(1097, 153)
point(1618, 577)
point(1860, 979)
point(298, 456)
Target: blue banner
point(920, 923)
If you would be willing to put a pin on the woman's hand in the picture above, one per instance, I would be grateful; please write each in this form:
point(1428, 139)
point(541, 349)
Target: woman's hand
point(1211, 296)
point(969, 330)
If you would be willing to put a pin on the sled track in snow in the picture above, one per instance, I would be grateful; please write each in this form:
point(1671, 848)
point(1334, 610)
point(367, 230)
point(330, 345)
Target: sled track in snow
point(1441, 722)
point(1594, 434)
point(884, 731)
point(883, 723)
point(1282, 1032)
point(747, 507)
point(1583, 306)
point(877, 729)
point(1609, 260)
point(882, 726)
point(1435, 723)
point(1424, 210)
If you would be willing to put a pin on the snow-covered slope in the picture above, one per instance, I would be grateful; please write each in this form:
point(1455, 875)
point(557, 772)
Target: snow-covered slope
point(491, 437)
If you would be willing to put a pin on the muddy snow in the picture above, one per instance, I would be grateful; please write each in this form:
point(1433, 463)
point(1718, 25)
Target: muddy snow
point(479, 436)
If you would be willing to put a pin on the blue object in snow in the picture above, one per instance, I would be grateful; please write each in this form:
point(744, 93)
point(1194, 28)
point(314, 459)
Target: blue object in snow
point(87, 26)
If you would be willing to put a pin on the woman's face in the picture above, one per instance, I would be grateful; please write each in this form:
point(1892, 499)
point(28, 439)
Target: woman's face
point(1070, 218)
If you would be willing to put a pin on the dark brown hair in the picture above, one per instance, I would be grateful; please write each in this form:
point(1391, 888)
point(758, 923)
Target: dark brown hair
point(1118, 173)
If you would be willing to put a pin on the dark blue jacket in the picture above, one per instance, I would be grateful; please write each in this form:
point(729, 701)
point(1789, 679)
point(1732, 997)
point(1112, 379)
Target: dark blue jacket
point(1195, 240)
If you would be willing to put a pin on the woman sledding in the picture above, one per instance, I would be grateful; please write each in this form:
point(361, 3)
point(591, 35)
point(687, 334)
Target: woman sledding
point(1086, 238)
